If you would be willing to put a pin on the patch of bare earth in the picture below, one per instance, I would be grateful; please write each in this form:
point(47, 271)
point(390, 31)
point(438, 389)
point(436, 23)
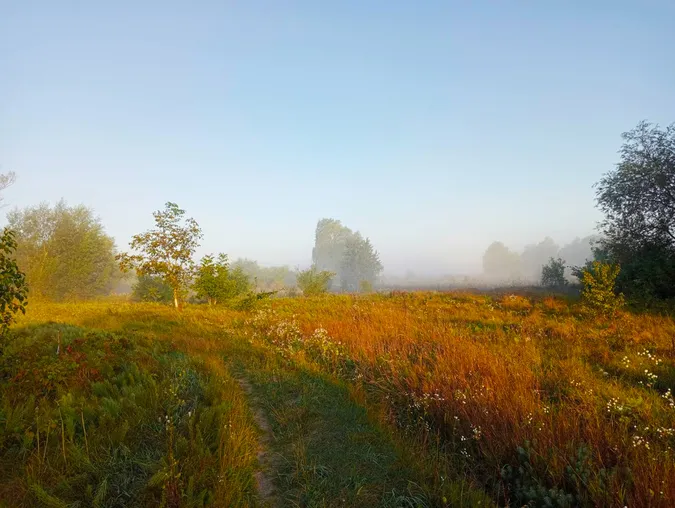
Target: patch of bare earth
point(263, 477)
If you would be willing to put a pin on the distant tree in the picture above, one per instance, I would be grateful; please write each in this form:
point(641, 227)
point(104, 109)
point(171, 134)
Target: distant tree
point(64, 251)
point(151, 288)
point(314, 282)
point(330, 240)
point(166, 251)
point(360, 263)
point(216, 283)
point(272, 278)
point(534, 257)
point(500, 263)
point(13, 287)
point(577, 253)
point(638, 201)
point(553, 274)
point(598, 294)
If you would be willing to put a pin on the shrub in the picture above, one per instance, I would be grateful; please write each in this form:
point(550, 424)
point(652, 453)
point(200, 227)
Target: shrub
point(314, 282)
point(553, 274)
point(598, 294)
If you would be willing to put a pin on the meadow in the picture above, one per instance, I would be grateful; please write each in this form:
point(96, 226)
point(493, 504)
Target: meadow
point(399, 399)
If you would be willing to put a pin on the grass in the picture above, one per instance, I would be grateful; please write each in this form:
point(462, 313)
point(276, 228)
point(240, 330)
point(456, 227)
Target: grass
point(424, 399)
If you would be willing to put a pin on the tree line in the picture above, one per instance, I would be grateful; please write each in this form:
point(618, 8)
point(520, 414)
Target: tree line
point(65, 252)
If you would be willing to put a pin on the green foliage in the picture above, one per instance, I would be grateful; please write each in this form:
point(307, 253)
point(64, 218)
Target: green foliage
point(64, 251)
point(166, 251)
point(216, 283)
point(314, 282)
point(13, 288)
point(103, 419)
point(151, 288)
point(638, 199)
point(553, 274)
point(598, 294)
point(347, 254)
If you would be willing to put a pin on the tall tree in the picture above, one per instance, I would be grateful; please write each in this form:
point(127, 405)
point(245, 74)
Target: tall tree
point(166, 251)
point(535, 256)
point(500, 263)
point(64, 251)
point(360, 264)
point(638, 201)
point(330, 240)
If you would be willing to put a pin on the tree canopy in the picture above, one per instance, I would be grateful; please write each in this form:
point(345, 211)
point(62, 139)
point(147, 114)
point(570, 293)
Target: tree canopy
point(64, 251)
point(638, 201)
point(347, 254)
point(166, 251)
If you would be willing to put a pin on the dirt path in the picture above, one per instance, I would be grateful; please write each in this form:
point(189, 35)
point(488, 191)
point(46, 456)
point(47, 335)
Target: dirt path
point(263, 477)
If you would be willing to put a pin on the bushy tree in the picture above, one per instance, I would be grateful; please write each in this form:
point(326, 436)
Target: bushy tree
point(345, 253)
point(314, 282)
point(553, 273)
point(360, 263)
point(13, 287)
point(638, 201)
point(500, 263)
point(271, 278)
point(598, 294)
point(217, 283)
point(151, 288)
point(535, 256)
point(166, 251)
point(64, 251)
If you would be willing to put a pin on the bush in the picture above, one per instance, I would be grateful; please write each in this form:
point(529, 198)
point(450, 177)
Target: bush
point(314, 282)
point(553, 274)
point(151, 288)
point(598, 294)
point(13, 288)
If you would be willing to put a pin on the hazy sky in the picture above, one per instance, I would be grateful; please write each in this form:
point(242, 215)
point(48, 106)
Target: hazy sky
point(433, 127)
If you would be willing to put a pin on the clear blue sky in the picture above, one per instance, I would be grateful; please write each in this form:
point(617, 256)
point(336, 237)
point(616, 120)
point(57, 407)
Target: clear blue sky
point(432, 127)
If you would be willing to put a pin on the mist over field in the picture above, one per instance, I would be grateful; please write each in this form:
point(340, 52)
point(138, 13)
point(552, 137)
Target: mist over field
point(337, 254)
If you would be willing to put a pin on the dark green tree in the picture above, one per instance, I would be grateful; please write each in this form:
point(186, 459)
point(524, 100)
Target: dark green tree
point(13, 287)
point(638, 201)
point(553, 274)
point(166, 251)
point(151, 288)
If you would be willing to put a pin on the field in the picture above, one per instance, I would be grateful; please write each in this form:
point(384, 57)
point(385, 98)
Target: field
point(405, 399)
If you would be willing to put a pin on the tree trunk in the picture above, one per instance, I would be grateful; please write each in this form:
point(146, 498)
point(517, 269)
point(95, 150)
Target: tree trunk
point(175, 298)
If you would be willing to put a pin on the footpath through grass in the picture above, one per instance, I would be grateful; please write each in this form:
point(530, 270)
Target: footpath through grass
point(115, 404)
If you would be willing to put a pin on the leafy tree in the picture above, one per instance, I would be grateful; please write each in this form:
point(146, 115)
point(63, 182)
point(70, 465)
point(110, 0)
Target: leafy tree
point(151, 288)
point(638, 201)
point(360, 263)
point(6, 180)
point(64, 251)
point(216, 283)
point(13, 287)
point(314, 282)
point(166, 251)
point(500, 263)
point(578, 252)
point(330, 241)
point(598, 294)
point(553, 274)
point(534, 257)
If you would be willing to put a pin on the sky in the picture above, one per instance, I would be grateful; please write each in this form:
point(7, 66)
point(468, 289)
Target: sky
point(432, 127)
